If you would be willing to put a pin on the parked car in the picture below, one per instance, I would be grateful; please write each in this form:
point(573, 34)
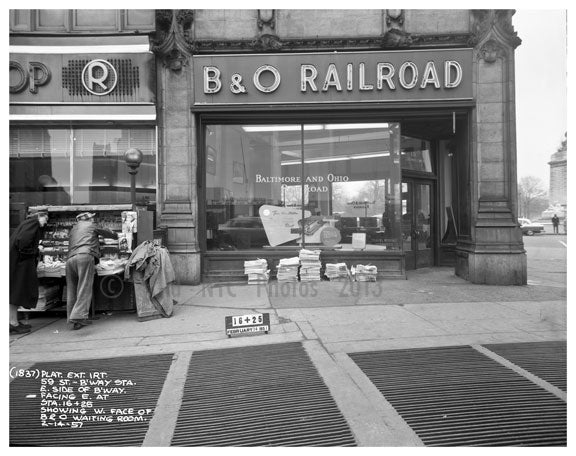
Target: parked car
point(529, 228)
point(242, 232)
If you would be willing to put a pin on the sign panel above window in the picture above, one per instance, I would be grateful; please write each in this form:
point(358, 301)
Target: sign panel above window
point(386, 76)
point(57, 78)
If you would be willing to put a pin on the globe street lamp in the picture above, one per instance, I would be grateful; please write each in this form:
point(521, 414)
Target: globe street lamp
point(133, 158)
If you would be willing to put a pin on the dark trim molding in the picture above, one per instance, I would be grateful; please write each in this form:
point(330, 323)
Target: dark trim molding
point(393, 39)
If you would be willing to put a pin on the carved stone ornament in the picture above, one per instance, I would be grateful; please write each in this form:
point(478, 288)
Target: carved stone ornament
point(172, 33)
point(267, 43)
point(496, 24)
point(490, 51)
point(395, 19)
point(266, 17)
point(396, 38)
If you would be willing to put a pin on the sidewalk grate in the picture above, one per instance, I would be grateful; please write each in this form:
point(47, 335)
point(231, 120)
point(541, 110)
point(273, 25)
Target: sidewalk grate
point(147, 372)
point(456, 396)
point(546, 360)
point(269, 395)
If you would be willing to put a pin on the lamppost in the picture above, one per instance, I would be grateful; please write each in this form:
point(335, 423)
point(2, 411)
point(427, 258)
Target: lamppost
point(133, 158)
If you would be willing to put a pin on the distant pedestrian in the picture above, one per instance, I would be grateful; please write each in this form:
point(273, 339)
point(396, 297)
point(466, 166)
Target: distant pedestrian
point(24, 253)
point(555, 223)
point(83, 255)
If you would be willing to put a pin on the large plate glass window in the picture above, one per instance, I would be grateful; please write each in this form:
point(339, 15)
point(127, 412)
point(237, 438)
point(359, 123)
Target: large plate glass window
point(100, 172)
point(60, 166)
point(354, 176)
point(245, 172)
point(40, 166)
point(291, 185)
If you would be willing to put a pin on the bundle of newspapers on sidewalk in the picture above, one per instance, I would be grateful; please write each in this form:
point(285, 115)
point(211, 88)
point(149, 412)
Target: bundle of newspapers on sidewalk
point(257, 271)
point(362, 273)
point(288, 269)
point(309, 265)
point(337, 272)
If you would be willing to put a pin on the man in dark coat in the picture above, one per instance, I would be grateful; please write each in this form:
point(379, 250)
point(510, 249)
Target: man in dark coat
point(555, 223)
point(83, 255)
point(23, 262)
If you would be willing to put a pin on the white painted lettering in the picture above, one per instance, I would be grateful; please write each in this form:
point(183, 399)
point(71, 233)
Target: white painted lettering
point(381, 76)
point(402, 75)
point(450, 83)
point(308, 73)
point(332, 79)
point(350, 77)
point(91, 80)
point(212, 82)
point(430, 76)
point(362, 78)
point(271, 88)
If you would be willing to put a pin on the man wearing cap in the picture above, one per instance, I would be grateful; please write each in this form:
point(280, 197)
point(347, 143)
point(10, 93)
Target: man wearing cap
point(83, 255)
point(23, 262)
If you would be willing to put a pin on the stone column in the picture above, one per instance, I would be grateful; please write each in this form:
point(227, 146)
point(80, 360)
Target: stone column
point(177, 189)
point(495, 253)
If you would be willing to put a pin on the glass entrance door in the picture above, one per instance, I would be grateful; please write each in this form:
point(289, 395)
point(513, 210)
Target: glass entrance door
point(417, 216)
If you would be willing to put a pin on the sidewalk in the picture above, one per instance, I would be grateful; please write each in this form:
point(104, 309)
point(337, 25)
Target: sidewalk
point(433, 307)
point(331, 321)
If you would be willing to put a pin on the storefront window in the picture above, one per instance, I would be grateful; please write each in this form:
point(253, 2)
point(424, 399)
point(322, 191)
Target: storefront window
point(100, 172)
point(63, 166)
point(415, 155)
point(354, 176)
point(40, 166)
point(247, 175)
point(285, 186)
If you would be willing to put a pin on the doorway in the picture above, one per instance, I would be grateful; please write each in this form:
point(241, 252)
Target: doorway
point(417, 226)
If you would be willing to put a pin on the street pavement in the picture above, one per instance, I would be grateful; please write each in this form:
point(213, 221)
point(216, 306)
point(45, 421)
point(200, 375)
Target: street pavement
point(432, 308)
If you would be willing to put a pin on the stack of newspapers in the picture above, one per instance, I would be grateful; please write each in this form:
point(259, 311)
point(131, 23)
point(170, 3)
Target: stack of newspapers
point(337, 272)
point(310, 265)
point(288, 269)
point(257, 271)
point(363, 273)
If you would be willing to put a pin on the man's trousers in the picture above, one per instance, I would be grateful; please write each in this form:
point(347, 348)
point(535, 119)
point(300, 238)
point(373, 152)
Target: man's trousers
point(79, 281)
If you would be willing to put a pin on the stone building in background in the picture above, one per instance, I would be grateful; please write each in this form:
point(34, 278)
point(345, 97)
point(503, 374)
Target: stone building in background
point(558, 194)
point(558, 176)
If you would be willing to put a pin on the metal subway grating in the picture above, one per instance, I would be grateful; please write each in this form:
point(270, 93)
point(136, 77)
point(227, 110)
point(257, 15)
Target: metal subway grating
point(456, 396)
point(147, 372)
point(268, 395)
point(546, 360)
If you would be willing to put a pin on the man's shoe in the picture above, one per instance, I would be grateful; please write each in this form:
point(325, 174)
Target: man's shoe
point(18, 329)
point(83, 322)
point(25, 325)
point(77, 326)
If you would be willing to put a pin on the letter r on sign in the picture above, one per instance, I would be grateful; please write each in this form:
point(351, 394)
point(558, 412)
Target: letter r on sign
point(91, 79)
point(99, 77)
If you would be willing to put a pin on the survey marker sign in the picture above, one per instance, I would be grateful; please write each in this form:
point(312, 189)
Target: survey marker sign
point(249, 323)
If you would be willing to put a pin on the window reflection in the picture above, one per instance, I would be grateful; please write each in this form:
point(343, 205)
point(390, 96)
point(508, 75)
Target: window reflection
point(40, 166)
point(79, 166)
point(356, 174)
point(415, 154)
point(100, 172)
point(262, 192)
